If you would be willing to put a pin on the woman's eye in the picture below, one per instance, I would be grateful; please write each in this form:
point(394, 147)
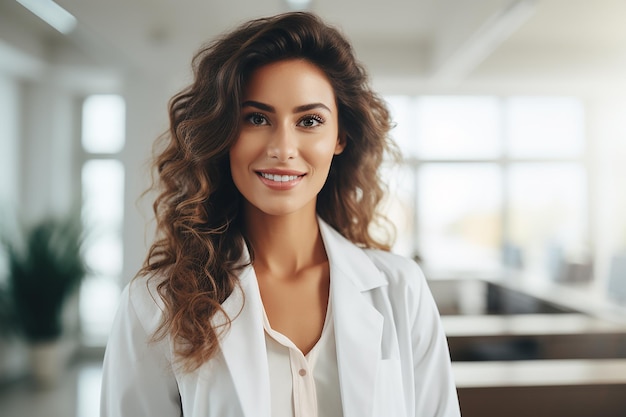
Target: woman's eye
point(310, 121)
point(256, 119)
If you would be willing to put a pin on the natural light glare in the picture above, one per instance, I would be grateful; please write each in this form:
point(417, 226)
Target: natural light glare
point(103, 206)
point(88, 387)
point(104, 124)
point(545, 127)
point(404, 130)
point(103, 193)
point(489, 182)
point(450, 127)
point(460, 223)
point(398, 207)
point(548, 216)
point(104, 253)
point(99, 296)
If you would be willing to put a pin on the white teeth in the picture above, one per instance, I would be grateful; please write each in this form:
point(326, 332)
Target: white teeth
point(278, 178)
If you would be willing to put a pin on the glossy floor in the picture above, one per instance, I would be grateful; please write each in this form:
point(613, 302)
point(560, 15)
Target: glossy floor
point(77, 395)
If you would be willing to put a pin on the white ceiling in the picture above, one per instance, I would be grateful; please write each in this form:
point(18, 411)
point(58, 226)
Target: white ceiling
point(426, 43)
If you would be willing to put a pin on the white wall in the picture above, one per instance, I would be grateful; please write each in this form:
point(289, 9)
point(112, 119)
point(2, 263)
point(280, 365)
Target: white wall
point(10, 105)
point(48, 163)
point(607, 134)
point(12, 359)
point(146, 119)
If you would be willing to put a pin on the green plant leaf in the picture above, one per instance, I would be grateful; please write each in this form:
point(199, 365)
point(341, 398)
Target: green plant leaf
point(46, 266)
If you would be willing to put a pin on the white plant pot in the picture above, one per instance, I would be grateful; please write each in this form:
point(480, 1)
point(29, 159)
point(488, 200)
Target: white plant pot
point(48, 363)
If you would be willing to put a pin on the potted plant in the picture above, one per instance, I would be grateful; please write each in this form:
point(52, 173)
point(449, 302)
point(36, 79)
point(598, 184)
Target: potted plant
point(7, 320)
point(45, 267)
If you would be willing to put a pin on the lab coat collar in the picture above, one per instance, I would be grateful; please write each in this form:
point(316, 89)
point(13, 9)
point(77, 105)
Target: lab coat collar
point(358, 325)
point(349, 260)
point(358, 330)
point(243, 345)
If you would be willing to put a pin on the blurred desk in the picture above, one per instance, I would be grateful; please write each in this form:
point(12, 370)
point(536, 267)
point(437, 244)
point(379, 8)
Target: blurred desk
point(526, 347)
point(513, 293)
point(533, 336)
point(540, 373)
point(527, 324)
point(580, 297)
point(546, 388)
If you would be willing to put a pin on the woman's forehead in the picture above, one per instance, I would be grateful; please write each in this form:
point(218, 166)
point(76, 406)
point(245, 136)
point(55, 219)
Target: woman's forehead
point(293, 82)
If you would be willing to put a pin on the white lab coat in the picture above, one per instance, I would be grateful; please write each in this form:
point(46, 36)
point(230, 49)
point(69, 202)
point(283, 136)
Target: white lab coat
point(391, 351)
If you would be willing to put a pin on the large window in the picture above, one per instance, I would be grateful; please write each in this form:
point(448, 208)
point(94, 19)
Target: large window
point(488, 182)
point(102, 177)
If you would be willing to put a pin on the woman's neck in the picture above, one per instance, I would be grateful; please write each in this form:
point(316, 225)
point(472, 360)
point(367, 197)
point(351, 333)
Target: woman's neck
point(284, 245)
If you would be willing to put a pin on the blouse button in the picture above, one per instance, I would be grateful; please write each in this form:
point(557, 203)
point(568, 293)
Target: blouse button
point(302, 372)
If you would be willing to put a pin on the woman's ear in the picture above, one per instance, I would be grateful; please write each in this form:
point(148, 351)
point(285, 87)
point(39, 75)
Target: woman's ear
point(341, 143)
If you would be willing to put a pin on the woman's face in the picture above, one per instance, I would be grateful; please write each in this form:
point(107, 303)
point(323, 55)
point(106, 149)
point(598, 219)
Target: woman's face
point(289, 135)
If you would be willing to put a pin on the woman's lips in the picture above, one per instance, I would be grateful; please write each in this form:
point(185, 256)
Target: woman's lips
point(280, 180)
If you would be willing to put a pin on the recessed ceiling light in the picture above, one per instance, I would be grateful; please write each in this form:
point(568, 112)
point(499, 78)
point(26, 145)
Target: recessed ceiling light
point(52, 14)
point(300, 5)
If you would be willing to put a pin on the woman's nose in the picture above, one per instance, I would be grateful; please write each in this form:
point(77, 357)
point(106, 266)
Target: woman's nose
point(282, 144)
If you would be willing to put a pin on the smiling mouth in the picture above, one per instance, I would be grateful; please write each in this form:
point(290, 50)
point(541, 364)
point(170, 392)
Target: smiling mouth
point(279, 178)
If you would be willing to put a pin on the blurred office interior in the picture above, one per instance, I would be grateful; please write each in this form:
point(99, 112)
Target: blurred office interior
point(511, 117)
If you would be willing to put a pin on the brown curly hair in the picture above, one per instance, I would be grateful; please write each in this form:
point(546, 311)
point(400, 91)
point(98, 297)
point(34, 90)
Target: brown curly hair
point(199, 244)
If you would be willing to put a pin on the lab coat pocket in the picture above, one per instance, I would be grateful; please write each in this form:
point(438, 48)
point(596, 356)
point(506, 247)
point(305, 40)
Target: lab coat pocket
point(389, 394)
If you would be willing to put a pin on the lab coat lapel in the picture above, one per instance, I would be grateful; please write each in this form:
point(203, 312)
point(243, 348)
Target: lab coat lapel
point(358, 325)
point(358, 331)
point(243, 346)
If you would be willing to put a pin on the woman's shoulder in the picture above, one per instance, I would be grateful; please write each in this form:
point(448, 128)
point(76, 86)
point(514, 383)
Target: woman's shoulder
point(397, 268)
point(142, 297)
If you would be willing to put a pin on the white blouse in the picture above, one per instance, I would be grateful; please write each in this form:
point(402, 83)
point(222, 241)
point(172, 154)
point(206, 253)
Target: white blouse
point(303, 385)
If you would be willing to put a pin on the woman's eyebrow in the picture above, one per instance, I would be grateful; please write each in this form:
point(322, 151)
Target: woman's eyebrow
point(259, 105)
point(271, 109)
point(312, 106)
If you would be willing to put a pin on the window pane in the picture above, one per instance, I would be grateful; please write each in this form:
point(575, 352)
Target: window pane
point(103, 123)
point(544, 127)
point(88, 386)
point(399, 207)
point(402, 109)
point(458, 127)
point(104, 252)
point(460, 224)
point(548, 213)
point(103, 193)
point(99, 296)
point(103, 205)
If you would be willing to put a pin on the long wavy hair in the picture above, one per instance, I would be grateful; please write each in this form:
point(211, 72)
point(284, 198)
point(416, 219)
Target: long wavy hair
point(200, 239)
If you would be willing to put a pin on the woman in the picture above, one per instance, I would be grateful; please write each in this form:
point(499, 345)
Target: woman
point(265, 293)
